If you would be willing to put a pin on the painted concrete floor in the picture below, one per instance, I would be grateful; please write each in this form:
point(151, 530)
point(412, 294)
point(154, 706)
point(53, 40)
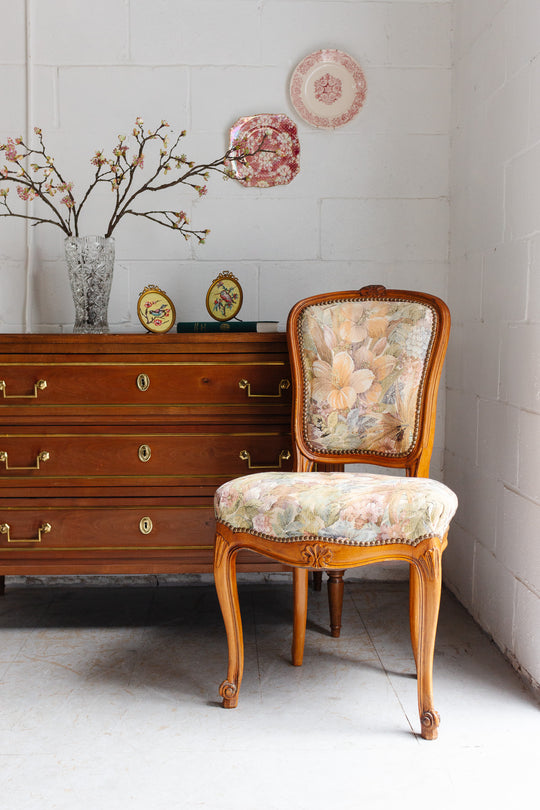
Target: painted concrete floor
point(109, 700)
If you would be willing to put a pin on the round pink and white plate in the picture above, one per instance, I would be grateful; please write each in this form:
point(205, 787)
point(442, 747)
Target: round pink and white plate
point(278, 160)
point(328, 88)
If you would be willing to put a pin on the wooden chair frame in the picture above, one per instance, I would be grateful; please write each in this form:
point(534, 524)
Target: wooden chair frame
point(315, 554)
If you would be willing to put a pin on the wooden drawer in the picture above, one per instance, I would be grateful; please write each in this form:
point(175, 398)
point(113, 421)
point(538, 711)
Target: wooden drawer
point(53, 527)
point(60, 537)
point(153, 457)
point(95, 382)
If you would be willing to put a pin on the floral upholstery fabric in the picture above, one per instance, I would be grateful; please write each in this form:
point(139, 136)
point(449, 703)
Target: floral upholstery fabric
point(352, 508)
point(364, 364)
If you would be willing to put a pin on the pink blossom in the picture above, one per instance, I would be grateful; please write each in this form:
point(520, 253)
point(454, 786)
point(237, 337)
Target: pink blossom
point(68, 201)
point(138, 161)
point(98, 159)
point(11, 152)
point(26, 193)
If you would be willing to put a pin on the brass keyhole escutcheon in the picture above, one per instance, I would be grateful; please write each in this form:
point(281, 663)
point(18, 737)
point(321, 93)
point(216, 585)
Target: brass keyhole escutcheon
point(145, 525)
point(145, 452)
point(143, 382)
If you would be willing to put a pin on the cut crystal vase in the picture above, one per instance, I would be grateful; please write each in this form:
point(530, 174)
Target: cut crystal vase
point(90, 261)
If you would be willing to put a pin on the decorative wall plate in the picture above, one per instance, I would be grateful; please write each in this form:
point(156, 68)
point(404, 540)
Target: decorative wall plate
point(155, 310)
point(328, 88)
point(224, 297)
point(278, 162)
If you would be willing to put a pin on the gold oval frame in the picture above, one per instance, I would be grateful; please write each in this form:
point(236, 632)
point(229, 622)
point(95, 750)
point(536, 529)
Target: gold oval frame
point(224, 297)
point(152, 320)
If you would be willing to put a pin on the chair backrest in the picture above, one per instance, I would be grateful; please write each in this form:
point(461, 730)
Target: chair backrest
point(366, 368)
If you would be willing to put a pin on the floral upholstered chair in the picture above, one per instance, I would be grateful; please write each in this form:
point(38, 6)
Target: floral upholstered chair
point(366, 367)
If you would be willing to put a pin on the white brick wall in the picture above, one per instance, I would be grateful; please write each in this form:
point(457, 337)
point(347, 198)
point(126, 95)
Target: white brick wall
point(493, 402)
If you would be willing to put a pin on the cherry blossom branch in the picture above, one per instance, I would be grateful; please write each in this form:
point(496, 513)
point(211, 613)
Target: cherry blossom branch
point(176, 220)
point(121, 173)
point(238, 152)
point(28, 188)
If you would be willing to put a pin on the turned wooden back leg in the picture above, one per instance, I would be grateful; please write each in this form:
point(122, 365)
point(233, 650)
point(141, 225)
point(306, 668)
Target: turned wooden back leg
point(335, 601)
point(300, 600)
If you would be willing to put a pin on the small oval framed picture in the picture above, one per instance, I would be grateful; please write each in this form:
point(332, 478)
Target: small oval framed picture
point(224, 297)
point(155, 310)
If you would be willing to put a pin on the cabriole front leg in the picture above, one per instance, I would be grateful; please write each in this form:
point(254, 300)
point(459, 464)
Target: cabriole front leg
point(227, 591)
point(428, 590)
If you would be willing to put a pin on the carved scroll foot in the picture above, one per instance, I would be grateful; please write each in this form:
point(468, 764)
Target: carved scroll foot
point(229, 693)
point(430, 724)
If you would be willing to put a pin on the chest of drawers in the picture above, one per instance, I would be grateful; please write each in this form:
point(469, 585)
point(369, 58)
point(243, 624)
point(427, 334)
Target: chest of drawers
point(111, 446)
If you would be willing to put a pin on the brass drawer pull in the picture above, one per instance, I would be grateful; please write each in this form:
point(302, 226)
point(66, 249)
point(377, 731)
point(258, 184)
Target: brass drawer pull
point(283, 386)
point(246, 456)
point(43, 456)
point(40, 385)
point(43, 529)
point(143, 382)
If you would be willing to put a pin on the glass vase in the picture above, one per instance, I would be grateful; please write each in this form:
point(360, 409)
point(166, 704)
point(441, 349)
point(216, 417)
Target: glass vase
point(90, 262)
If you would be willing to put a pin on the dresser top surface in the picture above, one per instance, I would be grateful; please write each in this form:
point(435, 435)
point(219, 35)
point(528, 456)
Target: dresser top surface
point(142, 343)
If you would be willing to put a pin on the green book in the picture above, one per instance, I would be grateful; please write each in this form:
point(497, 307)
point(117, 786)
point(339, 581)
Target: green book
point(227, 326)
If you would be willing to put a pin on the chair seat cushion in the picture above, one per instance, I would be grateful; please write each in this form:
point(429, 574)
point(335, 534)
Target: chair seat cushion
point(353, 508)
